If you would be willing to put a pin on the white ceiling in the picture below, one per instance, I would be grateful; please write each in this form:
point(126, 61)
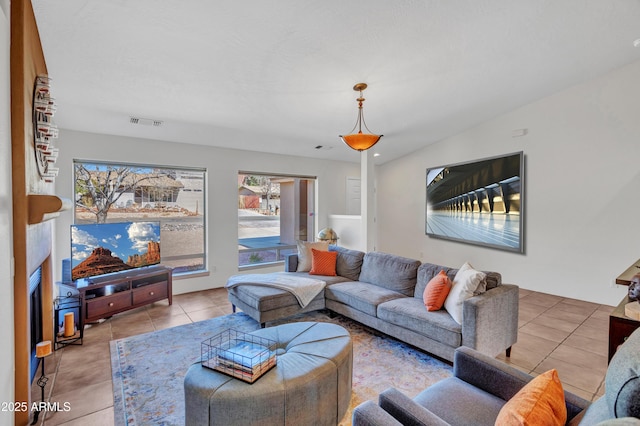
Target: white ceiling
point(277, 75)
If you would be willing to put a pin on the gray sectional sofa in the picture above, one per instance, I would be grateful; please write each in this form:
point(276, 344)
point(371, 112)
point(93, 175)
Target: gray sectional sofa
point(385, 292)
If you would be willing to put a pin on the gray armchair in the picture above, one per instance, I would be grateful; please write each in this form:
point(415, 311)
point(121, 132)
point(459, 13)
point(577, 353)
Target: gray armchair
point(481, 385)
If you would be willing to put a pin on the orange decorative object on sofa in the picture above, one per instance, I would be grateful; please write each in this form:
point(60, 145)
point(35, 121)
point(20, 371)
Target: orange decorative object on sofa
point(539, 402)
point(436, 291)
point(323, 262)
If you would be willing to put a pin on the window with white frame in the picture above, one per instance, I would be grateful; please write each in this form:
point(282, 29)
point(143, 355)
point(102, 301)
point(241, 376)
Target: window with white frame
point(274, 212)
point(174, 196)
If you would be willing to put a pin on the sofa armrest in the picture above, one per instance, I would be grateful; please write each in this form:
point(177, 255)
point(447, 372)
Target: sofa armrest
point(490, 320)
point(291, 262)
point(406, 410)
point(370, 414)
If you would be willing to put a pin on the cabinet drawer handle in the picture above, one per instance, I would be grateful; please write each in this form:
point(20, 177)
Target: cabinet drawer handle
point(151, 293)
point(110, 304)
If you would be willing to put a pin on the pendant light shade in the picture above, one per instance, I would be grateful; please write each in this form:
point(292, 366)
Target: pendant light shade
point(360, 141)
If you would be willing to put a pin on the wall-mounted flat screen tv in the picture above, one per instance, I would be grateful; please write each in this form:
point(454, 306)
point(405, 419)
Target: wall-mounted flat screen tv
point(478, 202)
point(103, 248)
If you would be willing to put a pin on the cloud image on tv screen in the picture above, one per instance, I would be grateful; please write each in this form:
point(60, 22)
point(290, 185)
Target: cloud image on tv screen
point(104, 248)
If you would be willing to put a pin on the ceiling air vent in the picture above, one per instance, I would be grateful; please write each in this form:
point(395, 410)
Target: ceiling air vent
point(145, 121)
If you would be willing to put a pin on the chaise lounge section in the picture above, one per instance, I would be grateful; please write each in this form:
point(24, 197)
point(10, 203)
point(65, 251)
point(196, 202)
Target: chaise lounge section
point(385, 292)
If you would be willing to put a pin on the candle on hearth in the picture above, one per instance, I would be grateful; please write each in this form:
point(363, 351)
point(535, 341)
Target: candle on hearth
point(43, 349)
point(69, 326)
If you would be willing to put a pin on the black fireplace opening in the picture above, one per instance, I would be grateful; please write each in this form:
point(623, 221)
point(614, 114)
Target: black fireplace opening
point(35, 318)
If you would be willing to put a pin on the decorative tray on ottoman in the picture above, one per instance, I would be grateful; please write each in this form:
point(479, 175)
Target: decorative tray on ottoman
point(240, 355)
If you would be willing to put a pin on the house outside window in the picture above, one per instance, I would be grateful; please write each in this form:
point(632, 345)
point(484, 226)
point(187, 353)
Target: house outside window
point(274, 212)
point(174, 196)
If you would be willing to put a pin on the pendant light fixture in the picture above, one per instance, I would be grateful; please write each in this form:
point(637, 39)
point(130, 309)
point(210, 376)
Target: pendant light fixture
point(360, 141)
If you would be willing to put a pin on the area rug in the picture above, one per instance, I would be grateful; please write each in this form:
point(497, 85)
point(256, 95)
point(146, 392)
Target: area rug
point(148, 370)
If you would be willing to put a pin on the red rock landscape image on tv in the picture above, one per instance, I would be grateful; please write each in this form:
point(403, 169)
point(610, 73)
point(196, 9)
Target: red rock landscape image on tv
point(103, 248)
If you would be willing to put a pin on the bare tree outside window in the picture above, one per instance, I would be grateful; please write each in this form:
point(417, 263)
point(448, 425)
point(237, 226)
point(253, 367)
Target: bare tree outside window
point(102, 187)
point(111, 192)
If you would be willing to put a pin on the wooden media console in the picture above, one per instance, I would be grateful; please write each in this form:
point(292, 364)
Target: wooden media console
point(107, 295)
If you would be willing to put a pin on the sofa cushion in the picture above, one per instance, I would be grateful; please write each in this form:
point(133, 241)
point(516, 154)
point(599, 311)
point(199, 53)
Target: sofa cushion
point(460, 403)
point(539, 402)
point(329, 279)
point(409, 313)
point(622, 381)
point(304, 253)
point(427, 271)
point(348, 263)
point(390, 271)
point(323, 262)
point(465, 284)
point(436, 292)
point(264, 298)
point(494, 279)
point(361, 296)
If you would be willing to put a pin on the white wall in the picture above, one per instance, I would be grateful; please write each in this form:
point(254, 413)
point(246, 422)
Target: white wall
point(6, 247)
point(222, 212)
point(349, 230)
point(582, 191)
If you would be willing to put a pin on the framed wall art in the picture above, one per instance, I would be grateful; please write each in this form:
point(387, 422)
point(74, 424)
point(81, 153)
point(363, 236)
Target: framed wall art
point(478, 202)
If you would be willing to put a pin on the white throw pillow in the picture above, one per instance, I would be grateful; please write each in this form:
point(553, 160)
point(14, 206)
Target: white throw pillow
point(465, 284)
point(304, 253)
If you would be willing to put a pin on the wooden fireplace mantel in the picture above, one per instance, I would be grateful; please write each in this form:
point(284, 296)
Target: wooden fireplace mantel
point(45, 207)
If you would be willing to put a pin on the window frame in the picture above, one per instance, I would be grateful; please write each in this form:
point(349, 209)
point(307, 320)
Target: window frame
point(201, 210)
point(311, 198)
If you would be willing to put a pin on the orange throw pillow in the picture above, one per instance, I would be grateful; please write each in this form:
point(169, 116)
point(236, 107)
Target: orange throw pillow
point(539, 402)
point(436, 291)
point(323, 262)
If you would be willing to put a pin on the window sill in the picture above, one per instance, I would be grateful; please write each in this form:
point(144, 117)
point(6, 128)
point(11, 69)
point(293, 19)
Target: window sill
point(187, 275)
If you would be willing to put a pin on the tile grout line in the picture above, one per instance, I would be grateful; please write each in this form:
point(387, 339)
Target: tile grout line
point(593, 394)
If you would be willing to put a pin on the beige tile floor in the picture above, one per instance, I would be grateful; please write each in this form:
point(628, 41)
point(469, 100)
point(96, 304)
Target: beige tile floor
point(554, 332)
point(569, 335)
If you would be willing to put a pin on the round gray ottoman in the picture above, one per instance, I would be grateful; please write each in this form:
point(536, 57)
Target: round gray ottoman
point(310, 385)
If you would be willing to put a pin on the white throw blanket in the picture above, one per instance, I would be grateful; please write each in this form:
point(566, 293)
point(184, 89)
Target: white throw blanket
point(304, 289)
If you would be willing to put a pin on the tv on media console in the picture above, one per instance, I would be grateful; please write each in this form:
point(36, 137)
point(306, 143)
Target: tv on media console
point(478, 202)
point(103, 248)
